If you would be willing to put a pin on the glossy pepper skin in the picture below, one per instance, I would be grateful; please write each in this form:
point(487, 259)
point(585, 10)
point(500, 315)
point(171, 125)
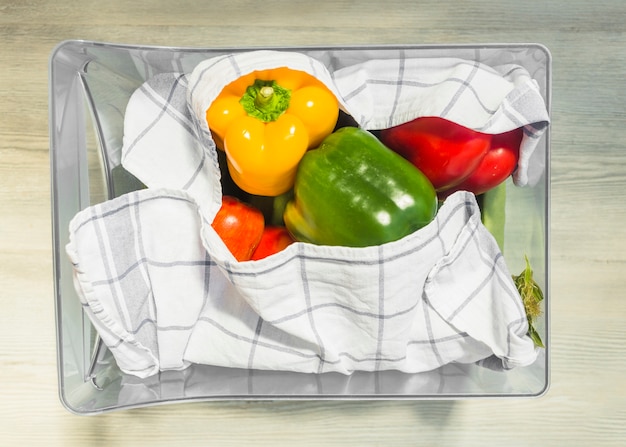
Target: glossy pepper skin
point(265, 121)
point(273, 240)
point(455, 157)
point(444, 151)
point(240, 226)
point(353, 191)
point(495, 167)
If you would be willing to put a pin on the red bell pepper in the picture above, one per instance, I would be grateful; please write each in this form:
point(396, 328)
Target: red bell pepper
point(240, 226)
point(273, 240)
point(454, 157)
point(444, 151)
point(495, 167)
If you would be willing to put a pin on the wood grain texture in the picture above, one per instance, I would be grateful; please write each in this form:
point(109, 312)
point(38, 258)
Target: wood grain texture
point(585, 405)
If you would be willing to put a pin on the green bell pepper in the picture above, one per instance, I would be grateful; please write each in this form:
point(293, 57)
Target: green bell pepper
point(354, 191)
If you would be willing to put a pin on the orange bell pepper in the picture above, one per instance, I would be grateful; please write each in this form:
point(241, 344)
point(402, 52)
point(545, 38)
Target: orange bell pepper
point(265, 122)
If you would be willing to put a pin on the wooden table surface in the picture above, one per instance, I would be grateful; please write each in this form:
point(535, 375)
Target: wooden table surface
point(586, 403)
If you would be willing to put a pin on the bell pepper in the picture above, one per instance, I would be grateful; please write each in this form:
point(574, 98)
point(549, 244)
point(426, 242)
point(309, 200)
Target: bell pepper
point(273, 240)
point(444, 151)
point(354, 191)
point(455, 157)
point(495, 167)
point(265, 121)
point(240, 226)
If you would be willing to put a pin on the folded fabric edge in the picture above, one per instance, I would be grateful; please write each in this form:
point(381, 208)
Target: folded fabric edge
point(521, 350)
point(194, 142)
point(131, 356)
point(496, 363)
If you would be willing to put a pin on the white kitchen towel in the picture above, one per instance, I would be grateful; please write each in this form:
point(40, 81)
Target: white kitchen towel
point(163, 146)
point(385, 93)
point(167, 142)
point(153, 277)
point(440, 295)
point(164, 291)
point(139, 269)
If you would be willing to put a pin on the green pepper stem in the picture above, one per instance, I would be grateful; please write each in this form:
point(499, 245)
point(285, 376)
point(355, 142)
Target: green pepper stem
point(264, 96)
point(265, 100)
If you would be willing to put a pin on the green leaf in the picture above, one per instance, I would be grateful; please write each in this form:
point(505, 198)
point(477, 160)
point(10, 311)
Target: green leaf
point(534, 335)
point(532, 296)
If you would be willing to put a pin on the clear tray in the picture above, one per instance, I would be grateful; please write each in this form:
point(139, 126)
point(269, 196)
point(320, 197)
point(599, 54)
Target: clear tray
point(90, 84)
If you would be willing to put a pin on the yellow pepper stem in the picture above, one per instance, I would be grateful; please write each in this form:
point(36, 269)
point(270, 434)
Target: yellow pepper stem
point(265, 100)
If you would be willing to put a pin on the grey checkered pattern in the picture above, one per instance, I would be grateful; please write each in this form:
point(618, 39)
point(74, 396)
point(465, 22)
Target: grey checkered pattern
point(161, 299)
point(381, 94)
point(164, 292)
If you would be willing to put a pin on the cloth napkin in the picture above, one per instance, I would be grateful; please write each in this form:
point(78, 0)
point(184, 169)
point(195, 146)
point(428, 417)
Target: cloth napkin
point(164, 292)
point(382, 94)
point(161, 297)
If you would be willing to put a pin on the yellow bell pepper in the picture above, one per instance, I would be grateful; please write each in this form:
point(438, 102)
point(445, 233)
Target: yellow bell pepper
point(265, 122)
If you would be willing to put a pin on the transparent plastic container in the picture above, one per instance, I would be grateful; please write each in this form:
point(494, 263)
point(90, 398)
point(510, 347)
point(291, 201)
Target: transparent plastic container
point(90, 85)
